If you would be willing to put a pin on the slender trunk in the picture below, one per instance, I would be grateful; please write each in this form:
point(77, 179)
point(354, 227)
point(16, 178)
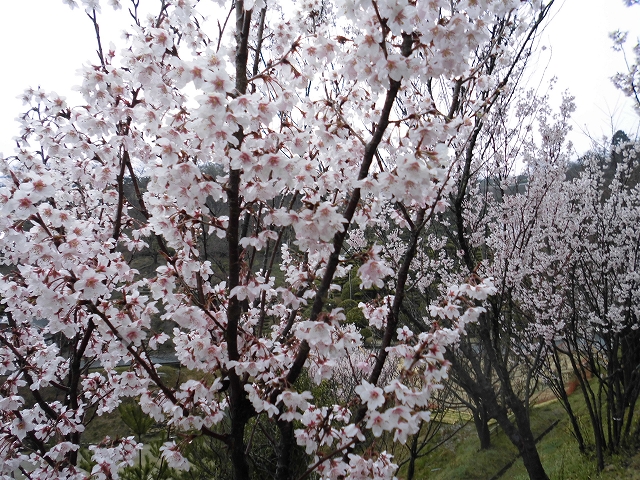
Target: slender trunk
point(413, 455)
point(519, 434)
point(630, 360)
point(589, 398)
point(527, 448)
point(577, 432)
point(597, 434)
point(481, 421)
point(239, 406)
point(238, 454)
point(630, 415)
point(283, 468)
point(338, 239)
point(561, 394)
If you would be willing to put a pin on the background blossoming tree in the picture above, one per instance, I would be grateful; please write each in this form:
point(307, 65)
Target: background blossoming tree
point(285, 133)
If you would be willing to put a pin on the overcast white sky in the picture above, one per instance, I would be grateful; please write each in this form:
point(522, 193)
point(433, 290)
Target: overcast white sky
point(44, 43)
point(579, 54)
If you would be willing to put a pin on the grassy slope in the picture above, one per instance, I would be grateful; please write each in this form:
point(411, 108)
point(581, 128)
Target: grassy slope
point(460, 459)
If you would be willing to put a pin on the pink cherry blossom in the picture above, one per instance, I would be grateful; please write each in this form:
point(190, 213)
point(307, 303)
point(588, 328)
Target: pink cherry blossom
point(210, 201)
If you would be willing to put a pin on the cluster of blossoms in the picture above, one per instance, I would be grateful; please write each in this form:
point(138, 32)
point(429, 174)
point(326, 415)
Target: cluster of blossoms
point(273, 166)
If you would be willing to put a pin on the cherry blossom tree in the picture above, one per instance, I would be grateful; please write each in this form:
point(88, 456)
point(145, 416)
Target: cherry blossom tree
point(494, 231)
point(499, 225)
point(599, 320)
point(563, 252)
point(322, 120)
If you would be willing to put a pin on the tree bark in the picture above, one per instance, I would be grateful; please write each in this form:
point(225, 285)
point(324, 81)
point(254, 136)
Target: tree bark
point(481, 421)
point(283, 469)
point(239, 406)
point(413, 455)
point(527, 446)
point(519, 433)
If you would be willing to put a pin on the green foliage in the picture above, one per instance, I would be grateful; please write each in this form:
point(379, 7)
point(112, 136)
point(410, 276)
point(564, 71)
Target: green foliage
point(84, 461)
point(356, 317)
point(151, 467)
point(351, 289)
point(323, 394)
point(132, 415)
point(208, 459)
point(348, 304)
point(366, 333)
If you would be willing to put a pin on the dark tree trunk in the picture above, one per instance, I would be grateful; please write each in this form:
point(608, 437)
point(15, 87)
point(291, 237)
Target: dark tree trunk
point(577, 432)
point(519, 433)
point(238, 453)
point(561, 394)
point(528, 450)
point(481, 421)
point(413, 455)
point(283, 469)
point(239, 406)
point(411, 469)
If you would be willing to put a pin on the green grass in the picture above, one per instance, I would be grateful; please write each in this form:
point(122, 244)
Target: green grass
point(460, 457)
